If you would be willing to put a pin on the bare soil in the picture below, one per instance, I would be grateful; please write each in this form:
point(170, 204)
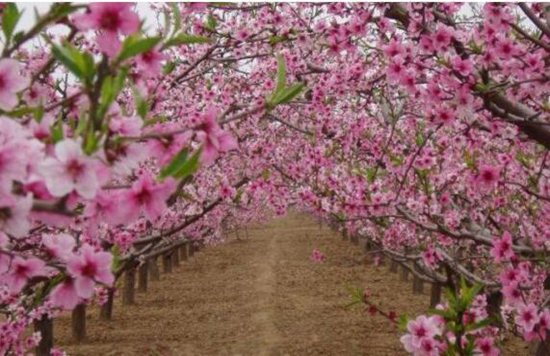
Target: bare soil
point(260, 296)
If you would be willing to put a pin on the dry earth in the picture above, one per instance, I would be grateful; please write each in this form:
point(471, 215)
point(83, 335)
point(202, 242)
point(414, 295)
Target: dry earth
point(259, 296)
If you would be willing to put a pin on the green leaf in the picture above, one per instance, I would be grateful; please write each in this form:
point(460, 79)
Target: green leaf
point(479, 325)
point(175, 164)
point(132, 47)
point(289, 93)
point(66, 55)
point(169, 67)
point(57, 131)
point(281, 77)
point(10, 18)
point(115, 251)
point(177, 16)
point(211, 23)
point(184, 38)
point(190, 166)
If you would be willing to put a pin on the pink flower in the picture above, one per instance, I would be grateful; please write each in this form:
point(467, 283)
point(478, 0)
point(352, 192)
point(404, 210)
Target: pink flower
point(109, 19)
point(317, 256)
point(70, 170)
point(148, 197)
point(511, 293)
point(527, 317)
point(422, 328)
point(463, 66)
point(59, 246)
point(502, 249)
point(150, 62)
point(90, 267)
point(65, 295)
point(488, 176)
point(11, 82)
point(22, 270)
point(486, 346)
point(214, 138)
point(106, 207)
point(14, 215)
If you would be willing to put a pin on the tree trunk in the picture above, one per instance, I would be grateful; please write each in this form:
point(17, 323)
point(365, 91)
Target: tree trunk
point(404, 274)
point(191, 249)
point(435, 298)
point(394, 266)
point(154, 269)
point(354, 239)
point(79, 323)
point(106, 312)
point(167, 263)
point(142, 277)
point(345, 235)
point(418, 285)
point(183, 252)
point(542, 348)
point(45, 327)
point(175, 258)
point(128, 294)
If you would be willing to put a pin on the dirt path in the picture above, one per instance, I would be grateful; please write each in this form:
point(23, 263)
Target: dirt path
point(260, 296)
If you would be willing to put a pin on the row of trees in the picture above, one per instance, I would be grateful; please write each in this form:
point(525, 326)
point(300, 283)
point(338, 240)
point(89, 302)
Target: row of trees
point(422, 127)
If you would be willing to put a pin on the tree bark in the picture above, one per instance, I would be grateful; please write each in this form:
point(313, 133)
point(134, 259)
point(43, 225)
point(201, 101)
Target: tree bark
point(404, 274)
point(418, 285)
point(142, 277)
point(175, 258)
point(191, 249)
point(435, 297)
point(79, 323)
point(167, 263)
point(45, 327)
point(394, 266)
point(183, 252)
point(154, 269)
point(128, 293)
point(106, 312)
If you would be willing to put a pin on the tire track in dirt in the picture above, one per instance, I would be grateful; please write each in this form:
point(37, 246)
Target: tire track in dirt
point(265, 288)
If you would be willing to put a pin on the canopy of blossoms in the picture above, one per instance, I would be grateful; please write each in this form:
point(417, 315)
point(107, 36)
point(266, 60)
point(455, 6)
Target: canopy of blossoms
point(422, 127)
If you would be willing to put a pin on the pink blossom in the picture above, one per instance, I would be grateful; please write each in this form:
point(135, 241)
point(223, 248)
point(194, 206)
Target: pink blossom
point(70, 171)
point(421, 335)
point(463, 66)
point(109, 19)
point(527, 317)
point(147, 197)
point(89, 267)
point(488, 176)
point(214, 139)
point(486, 346)
point(11, 82)
point(59, 246)
point(22, 270)
point(512, 293)
point(65, 295)
point(14, 215)
point(502, 249)
point(150, 62)
point(317, 256)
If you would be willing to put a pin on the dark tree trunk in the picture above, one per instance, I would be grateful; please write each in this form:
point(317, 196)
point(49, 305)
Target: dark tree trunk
point(142, 277)
point(128, 294)
point(435, 297)
point(167, 263)
point(154, 269)
point(183, 252)
point(175, 258)
point(79, 323)
point(45, 327)
point(106, 312)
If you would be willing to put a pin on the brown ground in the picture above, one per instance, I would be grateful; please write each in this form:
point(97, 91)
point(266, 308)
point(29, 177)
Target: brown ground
point(260, 296)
